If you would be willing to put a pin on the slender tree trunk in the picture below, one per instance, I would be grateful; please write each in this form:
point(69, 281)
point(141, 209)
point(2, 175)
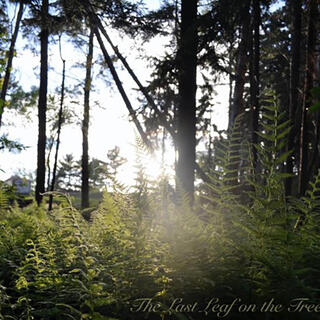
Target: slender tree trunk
point(255, 76)
point(186, 113)
point(42, 103)
point(50, 147)
point(294, 84)
point(85, 127)
point(60, 121)
point(310, 76)
point(314, 162)
point(238, 105)
point(6, 79)
point(241, 68)
point(230, 56)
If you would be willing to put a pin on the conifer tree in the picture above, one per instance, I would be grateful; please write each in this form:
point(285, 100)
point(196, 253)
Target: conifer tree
point(6, 79)
point(310, 77)
point(295, 98)
point(85, 127)
point(186, 111)
point(42, 103)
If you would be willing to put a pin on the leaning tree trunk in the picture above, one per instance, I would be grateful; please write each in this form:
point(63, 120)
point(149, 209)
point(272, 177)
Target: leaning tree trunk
point(85, 127)
point(6, 79)
point(310, 76)
point(294, 85)
point(186, 112)
point(42, 104)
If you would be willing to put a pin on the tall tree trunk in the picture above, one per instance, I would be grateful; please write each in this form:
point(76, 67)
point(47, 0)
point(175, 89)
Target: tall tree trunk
point(241, 68)
point(230, 58)
point(294, 84)
point(42, 103)
point(310, 76)
point(314, 162)
point(237, 107)
point(186, 113)
point(60, 121)
point(85, 127)
point(255, 75)
point(6, 79)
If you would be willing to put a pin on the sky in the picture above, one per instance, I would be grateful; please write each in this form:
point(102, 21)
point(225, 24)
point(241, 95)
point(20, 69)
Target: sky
point(109, 125)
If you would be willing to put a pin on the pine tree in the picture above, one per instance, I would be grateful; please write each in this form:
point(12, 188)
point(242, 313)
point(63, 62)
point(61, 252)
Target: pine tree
point(6, 79)
point(42, 103)
point(186, 111)
point(85, 127)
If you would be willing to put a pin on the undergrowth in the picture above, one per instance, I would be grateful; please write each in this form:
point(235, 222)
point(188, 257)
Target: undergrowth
point(140, 259)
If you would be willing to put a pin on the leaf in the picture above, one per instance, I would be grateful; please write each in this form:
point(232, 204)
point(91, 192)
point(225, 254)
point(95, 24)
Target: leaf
point(315, 107)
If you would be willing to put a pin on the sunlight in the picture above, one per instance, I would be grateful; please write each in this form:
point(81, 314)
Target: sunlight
point(154, 167)
point(157, 165)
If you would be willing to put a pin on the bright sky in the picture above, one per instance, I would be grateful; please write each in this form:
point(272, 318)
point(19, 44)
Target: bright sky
point(109, 124)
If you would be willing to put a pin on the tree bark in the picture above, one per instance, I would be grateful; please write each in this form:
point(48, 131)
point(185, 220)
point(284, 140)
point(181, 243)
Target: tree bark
point(314, 162)
point(186, 112)
point(310, 76)
point(6, 79)
point(42, 103)
point(255, 76)
point(294, 84)
point(230, 58)
point(85, 127)
point(238, 106)
point(241, 68)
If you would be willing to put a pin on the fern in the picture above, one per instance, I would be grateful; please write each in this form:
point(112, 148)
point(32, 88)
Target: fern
point(272, 247)
point(242, 245)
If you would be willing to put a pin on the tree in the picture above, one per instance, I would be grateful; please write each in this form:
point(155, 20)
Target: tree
point(255, 74)
point(6, 79)
point(60, 122)
point(85, 127)
point(99, 174)
point(241, 66)
point(68, 174)
point(115, 161)
point(42, 103)
point(310, 76)
point(186, 111)
point(295, 98)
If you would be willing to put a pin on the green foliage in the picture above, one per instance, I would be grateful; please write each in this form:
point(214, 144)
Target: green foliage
point(244, 242)
point(6, 143)
point(315, 92)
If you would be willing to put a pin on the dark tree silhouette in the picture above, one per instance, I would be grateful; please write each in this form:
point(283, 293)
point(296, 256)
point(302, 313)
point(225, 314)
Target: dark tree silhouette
point(310, 76)
point(294, 105)
point(85, 127)
point(42, 103)
point(237, 106)
point(60, 122)
point(255, 74)
point(186, 111)
point(6, 79)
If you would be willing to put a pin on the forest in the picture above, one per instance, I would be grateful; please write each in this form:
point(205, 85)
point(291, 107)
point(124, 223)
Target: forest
point(226, 226)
